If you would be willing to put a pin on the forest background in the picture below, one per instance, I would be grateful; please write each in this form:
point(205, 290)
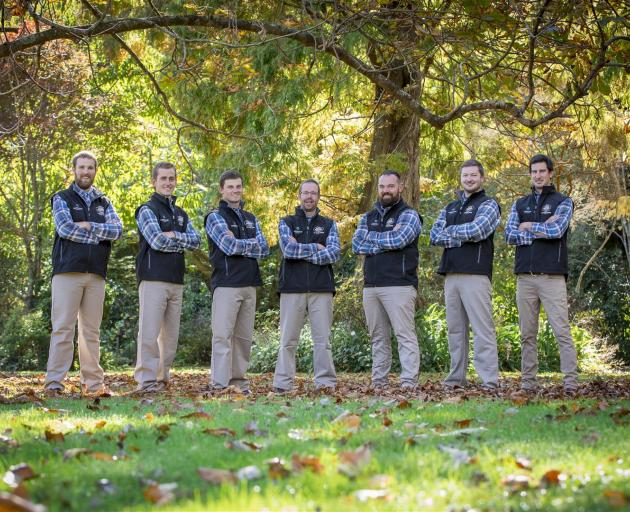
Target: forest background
point(332, 90)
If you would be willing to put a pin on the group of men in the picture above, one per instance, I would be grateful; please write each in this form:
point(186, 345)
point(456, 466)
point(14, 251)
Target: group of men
point(86, 224)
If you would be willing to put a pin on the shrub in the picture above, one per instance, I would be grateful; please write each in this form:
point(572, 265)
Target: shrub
point(24, 341)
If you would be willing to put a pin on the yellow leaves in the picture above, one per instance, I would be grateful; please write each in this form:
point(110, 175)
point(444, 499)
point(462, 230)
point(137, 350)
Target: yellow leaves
point(614, 209)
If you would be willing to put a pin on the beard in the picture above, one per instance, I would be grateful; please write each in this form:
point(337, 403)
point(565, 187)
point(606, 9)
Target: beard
point(389, 199)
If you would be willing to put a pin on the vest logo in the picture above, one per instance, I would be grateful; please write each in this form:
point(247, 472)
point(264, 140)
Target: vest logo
point(374, 223)
point(452, 212)
point(249, 224)
point(389, 223)
point(469, 210)
point(298, 231)
point(180, 220)
point(318, 230)
point(528, 210)
point(164, 219)
point(77, 208)
point(546, 209)
point(234, 226)
point(100, 210)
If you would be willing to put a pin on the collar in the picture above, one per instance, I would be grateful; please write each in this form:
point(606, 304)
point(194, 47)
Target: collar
point(385, 209)
point(170, 201)
point(299, 211)
point(224, 204)
point(91, 193)
point(462, 196)
point(547, 189)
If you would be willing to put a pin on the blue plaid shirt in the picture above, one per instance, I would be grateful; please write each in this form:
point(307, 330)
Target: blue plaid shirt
point(296, 251)
point(486, 220)
point(111, 229)
point(556, 229)
point(217, 230)
point(149, 226)
point(372, 242)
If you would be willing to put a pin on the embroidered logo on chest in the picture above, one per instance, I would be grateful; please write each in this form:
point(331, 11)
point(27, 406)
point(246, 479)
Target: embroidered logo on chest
point(77, 208)
point(180, 220)
point(164, 220)
point(374, 223)
point(249, 224)
point(469, 210)
point(234, 226)
point(389, 223)
point(546, 209)
point(452, 212)
point(318, 230)
point(528, 210)
point(298, 231)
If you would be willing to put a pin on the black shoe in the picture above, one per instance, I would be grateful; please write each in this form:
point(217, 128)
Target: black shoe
point(280, 391)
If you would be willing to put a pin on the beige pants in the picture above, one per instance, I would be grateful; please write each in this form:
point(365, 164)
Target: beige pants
point(386, 308)
point(76, 295)
point(293, 309)
point(158, 330)
point(551, 291)
point(468, 300)
point(233, 311)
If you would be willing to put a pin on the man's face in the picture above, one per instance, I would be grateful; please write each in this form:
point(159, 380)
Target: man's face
point(541, 176)
point(165, 181)
point(232, 190)
point(309, 197)
point(471, 179)
point(389, 190)
point(84, 172)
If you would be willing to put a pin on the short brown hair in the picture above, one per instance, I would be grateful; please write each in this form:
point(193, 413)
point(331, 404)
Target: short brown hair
point(390, 172)
point(84, 154)
point(473, 163)
point(162, 165)
point(310, 180)
point(230, 174)
point(541, 158)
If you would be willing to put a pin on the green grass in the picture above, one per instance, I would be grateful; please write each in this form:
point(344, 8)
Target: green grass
point(580, 438)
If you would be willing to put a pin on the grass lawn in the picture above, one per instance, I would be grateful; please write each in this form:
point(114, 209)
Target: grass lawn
point(351, 451)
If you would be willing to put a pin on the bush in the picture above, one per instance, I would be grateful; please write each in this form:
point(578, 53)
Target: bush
point(24, 341)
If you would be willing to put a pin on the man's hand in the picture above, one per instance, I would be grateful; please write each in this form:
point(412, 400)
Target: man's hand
point(525, 226)
point(396, 227)
point(229, 233)
point(293, 240)
point(84, 225)
point(551, 219)
point(169, 234)
point(321, 247)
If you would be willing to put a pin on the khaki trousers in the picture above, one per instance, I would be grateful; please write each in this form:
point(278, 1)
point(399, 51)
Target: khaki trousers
point(76, 295)
point(158, 330)
point(293, 309)
point(386, 308)
point(551, 291)
point(468, 300)
point(233, 311)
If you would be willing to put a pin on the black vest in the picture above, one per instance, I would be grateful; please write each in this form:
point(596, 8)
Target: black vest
point(233, 271)
point(470, 257)
point(301, 276)
point(69, 256)
point(152, 265)
point(391, 268)
point(547, 256)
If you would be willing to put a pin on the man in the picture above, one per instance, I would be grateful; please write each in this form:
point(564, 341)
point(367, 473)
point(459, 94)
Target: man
point(85, 226)
point(538, 225)
point(465, 228)
point(310, 245)
point(388, 237)
point(236, 243)
point(165, 232)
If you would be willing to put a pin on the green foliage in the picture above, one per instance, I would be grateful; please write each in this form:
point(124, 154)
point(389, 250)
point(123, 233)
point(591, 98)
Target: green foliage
point(24, 340)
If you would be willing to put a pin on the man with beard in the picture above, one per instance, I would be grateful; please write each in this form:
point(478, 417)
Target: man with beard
point(236, 244)
point(465, 228)
point(165, 232)
point(310, 245)
point(538, 225)
point(85, 226)
point(388, 237)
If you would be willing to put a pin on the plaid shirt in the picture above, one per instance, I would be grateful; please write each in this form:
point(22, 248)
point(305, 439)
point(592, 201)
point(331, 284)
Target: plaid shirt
point(486, 220)
point(217, 230)
point(372, 242)
point(149, 226)
point(556, 229)
point(68, 229)
point(310, 252)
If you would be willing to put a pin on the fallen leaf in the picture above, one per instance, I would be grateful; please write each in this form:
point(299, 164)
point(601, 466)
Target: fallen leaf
point(516, 483)
point(523, 463)
point(103, 456)
point(459, 456)
point(371, 494)
point(552, 477)
point(351, 462)
point(386, 421)
point(277, 468)
point(464, 432)
point(54, 411)
point(13, 503)
point(403, 404)
point(219, 432)
point(300, 462)
point(7, 441)
point(73, 453)
point(381, 481)
point(149, 416)
point(216, 476)
point(463, 423)
point(54, 437)
point(160, 494)
point(249, 473)
point(17, 474)
point(100, 424)
point(616, 499)
point(245, 446)
point(198, 415)
point(350, 421)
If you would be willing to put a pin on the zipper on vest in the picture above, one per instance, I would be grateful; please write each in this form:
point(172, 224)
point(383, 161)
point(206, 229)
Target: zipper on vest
point(479, 255)
point(227, 267)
